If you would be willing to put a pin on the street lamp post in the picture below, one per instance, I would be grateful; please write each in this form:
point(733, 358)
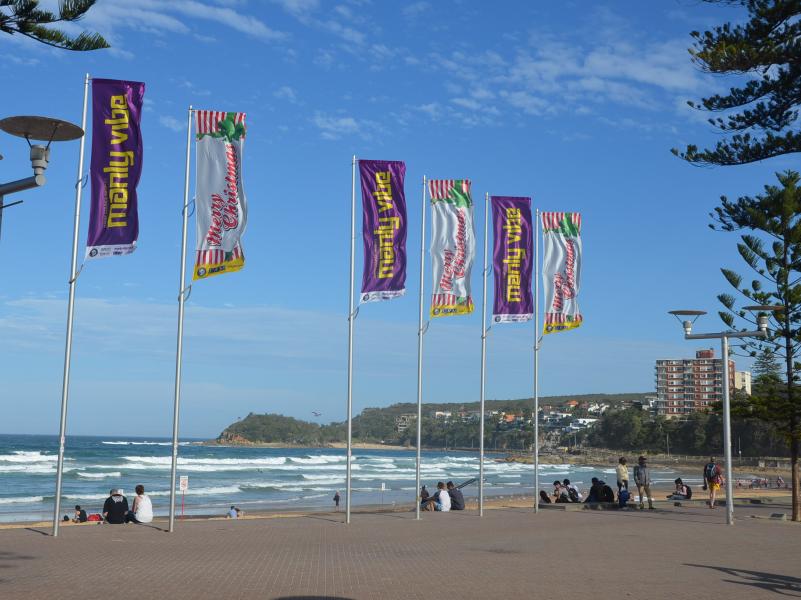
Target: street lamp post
point(34, 128)
point(724, 336)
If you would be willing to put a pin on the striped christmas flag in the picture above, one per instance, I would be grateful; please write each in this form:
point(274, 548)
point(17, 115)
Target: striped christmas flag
point(453, 246)
point(220, 203)
point(561, 270)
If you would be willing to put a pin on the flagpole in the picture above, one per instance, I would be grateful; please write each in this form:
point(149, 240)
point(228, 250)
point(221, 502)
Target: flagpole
point(420, 334)
point(536, 362)
point(483, 364)
point(65, 382)
point(179, 350)
point(350, 333)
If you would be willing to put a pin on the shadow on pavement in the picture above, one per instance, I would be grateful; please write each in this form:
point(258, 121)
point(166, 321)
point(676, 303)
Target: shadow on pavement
point(39, 531)
point(7, 560)
point(779, 584)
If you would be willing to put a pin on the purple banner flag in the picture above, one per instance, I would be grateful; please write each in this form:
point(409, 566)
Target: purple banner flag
point(116, 167)
point(512, 259)
point(383, 229)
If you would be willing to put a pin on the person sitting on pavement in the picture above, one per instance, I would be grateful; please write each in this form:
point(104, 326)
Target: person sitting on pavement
point(142, 509)
point(682, 491)
point(115, 508)
point(80, 515)
point(642, 478)
point(441, 500)
point(424, 495)
point(572, 491)
point(560, 494)
point(457, 499)
point(544, 497)
point(605, 494)
point(594, 495)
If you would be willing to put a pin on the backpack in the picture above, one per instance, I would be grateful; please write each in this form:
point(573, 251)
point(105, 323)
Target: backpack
point(573, 494)
point(710, 471)
point(689, 492)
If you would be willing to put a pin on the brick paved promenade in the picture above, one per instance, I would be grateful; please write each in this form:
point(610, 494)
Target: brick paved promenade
point(510, 553)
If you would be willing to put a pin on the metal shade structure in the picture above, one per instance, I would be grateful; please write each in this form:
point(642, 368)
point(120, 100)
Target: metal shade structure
point(44, 129)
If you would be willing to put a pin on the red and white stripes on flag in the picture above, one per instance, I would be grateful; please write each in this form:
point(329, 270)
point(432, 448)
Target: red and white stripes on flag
point(553, 220)
point(206, 120)
point(215, 257)
point(441, 188)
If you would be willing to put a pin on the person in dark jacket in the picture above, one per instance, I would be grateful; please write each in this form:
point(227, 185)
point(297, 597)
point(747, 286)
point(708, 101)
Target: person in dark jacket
point(80, 515)
point(594, 495)
point(115, 508)
point(605, 492)
point(457, 499)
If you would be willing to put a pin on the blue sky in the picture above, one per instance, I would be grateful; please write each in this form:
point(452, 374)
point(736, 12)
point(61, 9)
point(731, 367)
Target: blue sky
point(575, 104)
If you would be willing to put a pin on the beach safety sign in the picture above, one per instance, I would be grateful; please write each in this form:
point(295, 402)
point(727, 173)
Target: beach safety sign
point(183, 483)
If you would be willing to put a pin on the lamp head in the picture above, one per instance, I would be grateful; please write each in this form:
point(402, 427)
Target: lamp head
point(687, 324)
point(763, 317)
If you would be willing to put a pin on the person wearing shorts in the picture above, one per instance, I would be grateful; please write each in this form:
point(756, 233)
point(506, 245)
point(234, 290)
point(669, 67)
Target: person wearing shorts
point(712, 480)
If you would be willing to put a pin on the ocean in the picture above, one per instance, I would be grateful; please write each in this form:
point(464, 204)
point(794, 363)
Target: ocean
point(250, 478)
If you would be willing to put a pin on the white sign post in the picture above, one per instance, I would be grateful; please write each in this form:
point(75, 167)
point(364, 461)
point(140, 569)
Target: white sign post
point(183, 485)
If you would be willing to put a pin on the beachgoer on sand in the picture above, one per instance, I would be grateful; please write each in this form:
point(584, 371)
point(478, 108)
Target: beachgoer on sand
point(232, 514)
point(142, 509)
point(115, 508)
point(642, 478)
point(440, 501)
point(544, 497)
point(560, 495)
point(457, 499)
point(682, 491)
point(336, 500)
point(622, 474)
point(80, 515)
point(572, 491)
point(713, 478)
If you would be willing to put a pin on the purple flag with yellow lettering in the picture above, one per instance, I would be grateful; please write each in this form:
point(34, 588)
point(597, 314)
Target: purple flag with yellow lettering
point(115, 168)
point(512, 259)
point(383, 229)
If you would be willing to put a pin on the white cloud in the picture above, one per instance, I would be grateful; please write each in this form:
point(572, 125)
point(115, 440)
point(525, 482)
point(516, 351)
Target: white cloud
point(286, 93)
point(335, 127)
point(415, 9)
point(172, 123)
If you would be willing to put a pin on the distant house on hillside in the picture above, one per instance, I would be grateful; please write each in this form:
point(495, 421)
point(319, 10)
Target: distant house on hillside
point(403, 422)
point(442, 414)
point(571, 405)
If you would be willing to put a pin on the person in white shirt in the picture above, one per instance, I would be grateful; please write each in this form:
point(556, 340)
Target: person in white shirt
point(142, 509)
point(443, 498)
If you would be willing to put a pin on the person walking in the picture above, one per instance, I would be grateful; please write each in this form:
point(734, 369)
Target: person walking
point(336, 500)
point(622, 474)
point(713, 478)
point(642, 478)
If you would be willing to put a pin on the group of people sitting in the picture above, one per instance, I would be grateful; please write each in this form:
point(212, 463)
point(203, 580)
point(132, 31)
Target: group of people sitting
point(117, 511)
point(564, 492)
point(600, 492)
point(447, 497)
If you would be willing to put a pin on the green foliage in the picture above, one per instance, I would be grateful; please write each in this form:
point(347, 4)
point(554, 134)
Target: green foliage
point(697, 434)
point(759, 117)
point(24, 17)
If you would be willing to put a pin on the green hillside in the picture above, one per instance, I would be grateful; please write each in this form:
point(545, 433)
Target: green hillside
point(378, 425)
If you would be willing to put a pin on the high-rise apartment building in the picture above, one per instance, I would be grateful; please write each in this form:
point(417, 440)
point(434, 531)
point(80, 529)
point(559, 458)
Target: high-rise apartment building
point(689, 385)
